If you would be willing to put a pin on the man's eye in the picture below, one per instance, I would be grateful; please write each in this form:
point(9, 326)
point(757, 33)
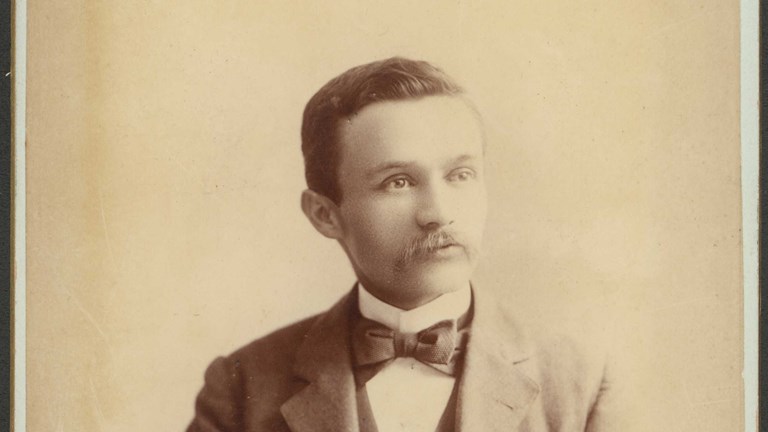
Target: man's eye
point(462, 175)
point(397, 183)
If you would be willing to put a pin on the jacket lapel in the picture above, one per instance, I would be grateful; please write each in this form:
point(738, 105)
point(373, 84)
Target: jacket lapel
point(494, 393)
point(328, 402)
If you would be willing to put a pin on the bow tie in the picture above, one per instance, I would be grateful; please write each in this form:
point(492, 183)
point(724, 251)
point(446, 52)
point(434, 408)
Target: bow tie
point(376, 345)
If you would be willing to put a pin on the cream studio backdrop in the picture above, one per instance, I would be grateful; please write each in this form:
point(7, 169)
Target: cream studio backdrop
point(164, 173)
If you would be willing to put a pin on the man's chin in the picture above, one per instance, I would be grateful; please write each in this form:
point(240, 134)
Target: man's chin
point(421, 295)
point(434, 280)
point(420, 283)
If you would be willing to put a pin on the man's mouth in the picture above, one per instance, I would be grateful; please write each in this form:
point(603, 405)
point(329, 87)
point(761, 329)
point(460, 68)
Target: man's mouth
point(442, 250)
point(447, 248)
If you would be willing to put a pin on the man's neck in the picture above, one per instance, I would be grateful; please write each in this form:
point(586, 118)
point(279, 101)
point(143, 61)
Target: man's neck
point(450, 305)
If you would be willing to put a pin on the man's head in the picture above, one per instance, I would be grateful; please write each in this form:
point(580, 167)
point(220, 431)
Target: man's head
point(394, 163)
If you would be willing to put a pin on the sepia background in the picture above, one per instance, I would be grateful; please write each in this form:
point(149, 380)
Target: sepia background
point(164, 174)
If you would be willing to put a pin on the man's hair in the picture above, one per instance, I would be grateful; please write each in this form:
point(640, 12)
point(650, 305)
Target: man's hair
point(391, 79)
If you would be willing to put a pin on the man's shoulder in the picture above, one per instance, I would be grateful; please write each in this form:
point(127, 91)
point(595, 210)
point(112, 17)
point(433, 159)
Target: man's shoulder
point(575, 361)
point(566, 358)
point(257, 375)
point(563, 352)
point(571, 338)
point(558, 344)
point(274, 350)
point(275, 355)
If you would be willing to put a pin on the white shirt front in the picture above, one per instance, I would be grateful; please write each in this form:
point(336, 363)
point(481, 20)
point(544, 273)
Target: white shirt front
point(408, 395)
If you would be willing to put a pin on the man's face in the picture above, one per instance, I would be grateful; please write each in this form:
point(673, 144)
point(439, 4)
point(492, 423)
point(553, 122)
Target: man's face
point(414, 200)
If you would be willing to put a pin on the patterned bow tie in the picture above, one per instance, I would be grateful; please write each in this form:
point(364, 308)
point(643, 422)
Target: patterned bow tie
point(376, 345)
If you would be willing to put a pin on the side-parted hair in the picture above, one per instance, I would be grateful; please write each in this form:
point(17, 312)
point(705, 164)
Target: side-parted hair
point(391, 79)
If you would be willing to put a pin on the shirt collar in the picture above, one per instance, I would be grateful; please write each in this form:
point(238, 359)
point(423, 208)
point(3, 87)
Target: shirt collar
point(449, 306)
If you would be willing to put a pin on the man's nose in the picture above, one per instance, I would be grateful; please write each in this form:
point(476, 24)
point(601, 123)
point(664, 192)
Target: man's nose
point(434, 210)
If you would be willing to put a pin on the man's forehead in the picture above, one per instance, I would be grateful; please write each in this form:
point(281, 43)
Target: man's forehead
point(431, 128)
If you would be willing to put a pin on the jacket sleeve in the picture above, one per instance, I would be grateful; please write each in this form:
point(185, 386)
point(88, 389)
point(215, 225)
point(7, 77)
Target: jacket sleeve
point(613, 407)
point(217, 405)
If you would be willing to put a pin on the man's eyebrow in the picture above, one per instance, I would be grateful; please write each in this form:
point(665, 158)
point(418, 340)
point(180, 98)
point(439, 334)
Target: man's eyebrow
point(461, 159)
point(388, 165)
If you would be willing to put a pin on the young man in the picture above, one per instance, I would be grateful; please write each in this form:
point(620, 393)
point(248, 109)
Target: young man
point(394, 158)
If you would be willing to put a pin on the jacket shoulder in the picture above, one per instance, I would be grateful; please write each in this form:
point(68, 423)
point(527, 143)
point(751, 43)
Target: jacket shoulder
point(273, 352)
point(247, 386)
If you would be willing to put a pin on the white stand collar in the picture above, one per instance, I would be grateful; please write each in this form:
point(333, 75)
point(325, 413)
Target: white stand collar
point(449, 306)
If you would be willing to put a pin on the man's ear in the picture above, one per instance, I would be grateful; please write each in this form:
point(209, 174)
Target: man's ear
point(323, 213)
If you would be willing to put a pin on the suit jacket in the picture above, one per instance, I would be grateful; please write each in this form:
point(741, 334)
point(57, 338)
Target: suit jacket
point(300, 379)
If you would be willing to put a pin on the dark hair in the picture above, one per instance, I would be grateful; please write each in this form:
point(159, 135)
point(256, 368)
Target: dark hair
point(392, 79)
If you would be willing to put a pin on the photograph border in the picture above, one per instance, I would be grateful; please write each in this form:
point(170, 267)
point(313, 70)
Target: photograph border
point(15, 298)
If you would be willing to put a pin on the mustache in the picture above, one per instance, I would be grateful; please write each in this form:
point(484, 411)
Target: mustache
point(427, 244)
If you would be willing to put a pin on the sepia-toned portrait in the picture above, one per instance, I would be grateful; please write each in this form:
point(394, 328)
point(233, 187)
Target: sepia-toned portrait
point(362, 216)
